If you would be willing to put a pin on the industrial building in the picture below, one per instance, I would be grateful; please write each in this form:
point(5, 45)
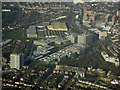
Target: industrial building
point(59, 26)
point(53, 33)
point(41, 25)
point(85, 38)
point(16, 60)
point(69, 51)
point(42, 51)
point(50, 33)
point(45, 30)
point(31, 32)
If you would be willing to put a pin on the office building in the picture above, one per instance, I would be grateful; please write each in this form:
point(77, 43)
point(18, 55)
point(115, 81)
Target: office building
point(103, 35)
point(72, 38)
point(110, 59)
point(85, 38)
point(31, 32)
point(16, 60)
point(118, 13)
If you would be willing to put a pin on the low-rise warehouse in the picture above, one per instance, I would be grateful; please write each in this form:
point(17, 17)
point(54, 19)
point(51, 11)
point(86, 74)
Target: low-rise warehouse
point(60, 26)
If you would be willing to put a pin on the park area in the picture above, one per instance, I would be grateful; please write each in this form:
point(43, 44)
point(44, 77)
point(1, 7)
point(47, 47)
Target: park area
point(14, 35)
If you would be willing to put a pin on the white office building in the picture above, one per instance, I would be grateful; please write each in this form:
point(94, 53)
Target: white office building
point(72, 38)
point(16, 60)
point(103, 35)
point(85, 38)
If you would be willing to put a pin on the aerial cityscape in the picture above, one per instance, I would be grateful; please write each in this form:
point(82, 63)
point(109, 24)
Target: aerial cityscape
point(60, 45)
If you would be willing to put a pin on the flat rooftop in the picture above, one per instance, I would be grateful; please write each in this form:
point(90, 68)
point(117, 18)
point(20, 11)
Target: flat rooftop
point(57, 26)
point(31, 30)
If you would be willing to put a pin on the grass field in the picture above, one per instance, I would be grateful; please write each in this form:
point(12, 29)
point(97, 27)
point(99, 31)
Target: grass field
point(14, 35)
point(42, 15)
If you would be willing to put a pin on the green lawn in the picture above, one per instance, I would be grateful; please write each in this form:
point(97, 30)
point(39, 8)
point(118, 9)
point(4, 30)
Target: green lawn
point(42, 15)
point(14, 35)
